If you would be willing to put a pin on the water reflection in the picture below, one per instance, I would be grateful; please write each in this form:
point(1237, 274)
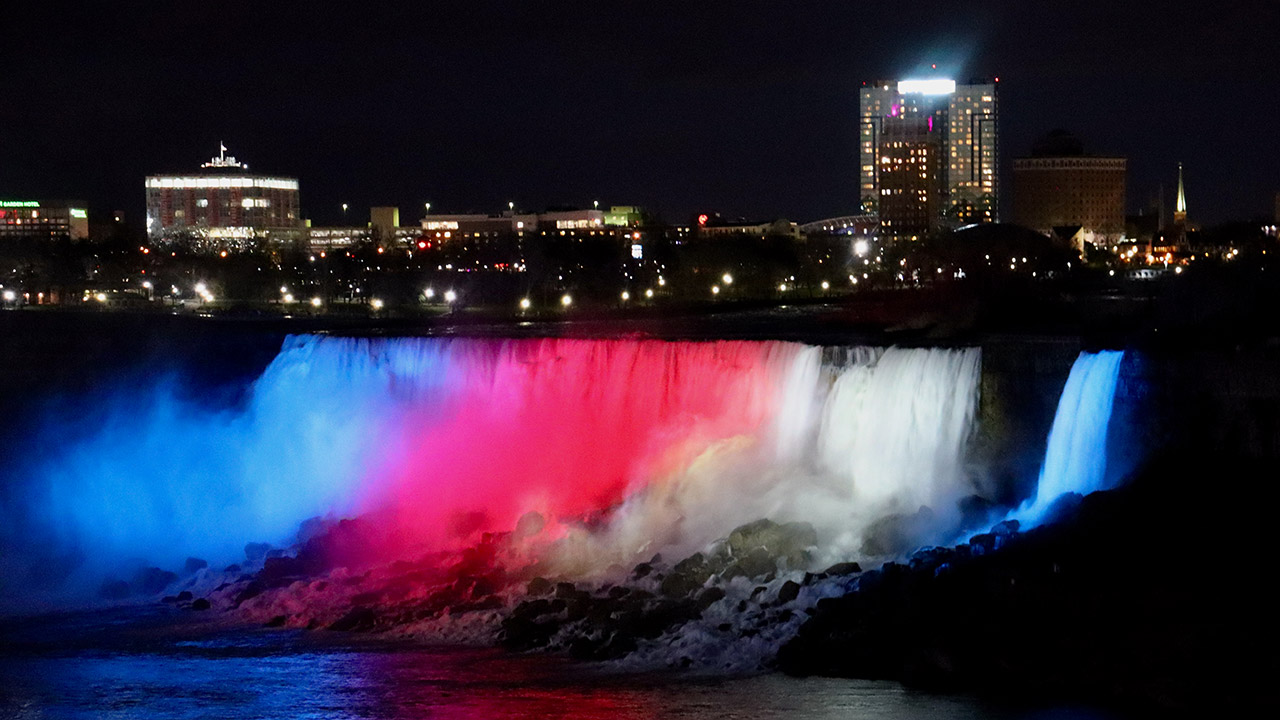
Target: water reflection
point(159, 664)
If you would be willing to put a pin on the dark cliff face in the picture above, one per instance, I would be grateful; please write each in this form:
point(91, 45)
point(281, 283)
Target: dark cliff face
point(1150, 596)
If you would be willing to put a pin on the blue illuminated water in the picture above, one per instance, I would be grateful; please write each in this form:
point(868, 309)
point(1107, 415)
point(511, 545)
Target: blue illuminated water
point(160, 663)
point(1075, 460)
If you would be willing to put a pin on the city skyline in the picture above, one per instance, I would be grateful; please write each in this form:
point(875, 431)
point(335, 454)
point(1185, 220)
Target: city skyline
point(746, 113)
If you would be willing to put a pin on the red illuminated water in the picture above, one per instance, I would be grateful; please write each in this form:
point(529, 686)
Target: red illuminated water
point(569, 427)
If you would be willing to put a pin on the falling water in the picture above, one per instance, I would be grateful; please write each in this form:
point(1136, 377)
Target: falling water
point(1075, 460)
point(675, 443)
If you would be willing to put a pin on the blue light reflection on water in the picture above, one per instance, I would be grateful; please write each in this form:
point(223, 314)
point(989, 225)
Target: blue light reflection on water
point(160, 664)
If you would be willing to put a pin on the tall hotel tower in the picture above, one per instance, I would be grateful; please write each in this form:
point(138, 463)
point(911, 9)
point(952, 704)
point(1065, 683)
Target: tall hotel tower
point(930, 154)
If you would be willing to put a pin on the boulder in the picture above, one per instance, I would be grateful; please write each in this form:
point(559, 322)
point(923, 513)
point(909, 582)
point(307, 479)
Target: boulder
point(256, 552)
point(897, 534)
point(153, 580)
point(789, 541)
point(709, 596)
point(539, 586)
point(756, 563)
point(482, 587)
point(842, 568)
point(523, 631)
point(1007, 527)
point(312, 527)
point(529, 524)
point(687, 576)
point(789, 591)
point(356, 620)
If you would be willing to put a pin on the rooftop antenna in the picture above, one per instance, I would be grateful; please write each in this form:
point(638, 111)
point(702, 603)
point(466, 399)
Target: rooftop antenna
point(224, 160)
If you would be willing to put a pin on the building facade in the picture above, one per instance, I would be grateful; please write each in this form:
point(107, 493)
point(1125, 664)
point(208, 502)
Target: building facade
point(720, 228)
point(1054, 192)
point(43, 219)
point(223, 207)
point(910, 177)
point(513, 222)
point(963, 122)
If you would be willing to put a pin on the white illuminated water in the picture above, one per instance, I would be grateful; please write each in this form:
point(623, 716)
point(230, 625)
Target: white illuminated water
point(857, 434)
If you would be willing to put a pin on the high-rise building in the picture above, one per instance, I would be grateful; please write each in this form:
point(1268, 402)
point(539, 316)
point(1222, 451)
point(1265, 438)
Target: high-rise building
point(1059, 190)
point(910, 173)
point(960, 122)
point(223, 206)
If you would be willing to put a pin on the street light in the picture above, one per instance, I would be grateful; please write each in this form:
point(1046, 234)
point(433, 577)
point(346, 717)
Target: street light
point(429, 292)
point(727, 278)
point(450, 296)
point(376, 303)
point(648, 293)
point(565, 300)
point(525, 304)
point(315, 302)
point(428, 207)
point(715, 289)
point(626, 296)
point(782, 287)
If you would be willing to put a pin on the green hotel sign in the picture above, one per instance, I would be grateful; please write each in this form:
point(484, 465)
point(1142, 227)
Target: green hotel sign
point(77, 213)
point(19, 204)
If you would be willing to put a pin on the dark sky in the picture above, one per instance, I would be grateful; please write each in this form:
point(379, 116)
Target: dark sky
point(746, 108)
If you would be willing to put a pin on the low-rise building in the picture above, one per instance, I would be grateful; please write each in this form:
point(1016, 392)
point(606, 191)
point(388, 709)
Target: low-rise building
point(470, 224)
point(709, 227)
point(43, 219)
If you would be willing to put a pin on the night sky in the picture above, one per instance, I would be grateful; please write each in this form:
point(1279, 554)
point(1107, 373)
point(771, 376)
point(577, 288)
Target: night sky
point(742, 108)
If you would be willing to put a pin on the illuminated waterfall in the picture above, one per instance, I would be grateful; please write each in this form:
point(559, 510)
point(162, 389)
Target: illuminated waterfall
point(677, 442)
point(1075, 460)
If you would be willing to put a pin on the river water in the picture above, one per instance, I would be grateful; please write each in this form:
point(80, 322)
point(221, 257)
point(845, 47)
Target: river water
point(159, 662)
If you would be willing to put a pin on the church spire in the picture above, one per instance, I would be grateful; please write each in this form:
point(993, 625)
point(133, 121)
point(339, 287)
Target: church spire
point(1180, 208)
